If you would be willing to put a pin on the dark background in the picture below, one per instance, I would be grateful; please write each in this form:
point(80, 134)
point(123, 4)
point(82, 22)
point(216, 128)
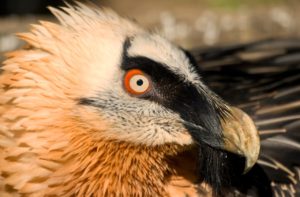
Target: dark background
point(21, 7)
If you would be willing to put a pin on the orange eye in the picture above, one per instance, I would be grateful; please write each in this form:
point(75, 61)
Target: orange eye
point(136, 82)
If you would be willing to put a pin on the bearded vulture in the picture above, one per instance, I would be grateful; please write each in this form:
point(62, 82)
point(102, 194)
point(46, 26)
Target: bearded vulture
point(95, 105)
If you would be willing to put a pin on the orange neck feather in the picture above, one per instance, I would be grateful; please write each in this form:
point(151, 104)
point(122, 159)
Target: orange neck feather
point(115, 168)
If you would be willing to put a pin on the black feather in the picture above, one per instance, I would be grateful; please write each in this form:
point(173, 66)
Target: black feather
point(219, 168)
point(262, 78)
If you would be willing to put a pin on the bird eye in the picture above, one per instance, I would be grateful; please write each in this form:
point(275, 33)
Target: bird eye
point(136, 82)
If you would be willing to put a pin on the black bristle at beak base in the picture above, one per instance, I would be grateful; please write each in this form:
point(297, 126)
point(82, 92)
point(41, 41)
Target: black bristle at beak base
point(218, 168)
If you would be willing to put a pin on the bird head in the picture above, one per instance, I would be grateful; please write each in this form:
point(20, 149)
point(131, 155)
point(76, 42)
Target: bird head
point(97, 78)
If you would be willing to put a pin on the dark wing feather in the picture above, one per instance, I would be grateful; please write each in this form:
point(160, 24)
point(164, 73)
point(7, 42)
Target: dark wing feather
point(263, 78)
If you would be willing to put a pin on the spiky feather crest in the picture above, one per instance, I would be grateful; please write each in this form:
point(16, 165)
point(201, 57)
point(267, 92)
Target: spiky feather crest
point(86, 39)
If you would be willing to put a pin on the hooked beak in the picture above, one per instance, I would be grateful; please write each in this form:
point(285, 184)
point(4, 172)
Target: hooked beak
point(241, 136)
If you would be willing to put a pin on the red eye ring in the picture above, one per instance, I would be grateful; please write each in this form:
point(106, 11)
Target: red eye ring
point(136, 82)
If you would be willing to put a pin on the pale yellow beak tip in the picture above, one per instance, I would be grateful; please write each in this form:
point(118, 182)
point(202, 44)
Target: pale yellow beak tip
point(241, 137)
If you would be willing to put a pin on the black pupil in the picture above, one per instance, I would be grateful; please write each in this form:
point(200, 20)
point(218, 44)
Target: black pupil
point(139, 82)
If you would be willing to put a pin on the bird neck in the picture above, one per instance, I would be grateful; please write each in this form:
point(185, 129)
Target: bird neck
point(119, 169)
point(133, 170)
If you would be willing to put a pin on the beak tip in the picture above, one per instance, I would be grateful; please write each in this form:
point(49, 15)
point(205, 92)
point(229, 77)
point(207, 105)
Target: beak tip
point(241, 137)
point(249, 164)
